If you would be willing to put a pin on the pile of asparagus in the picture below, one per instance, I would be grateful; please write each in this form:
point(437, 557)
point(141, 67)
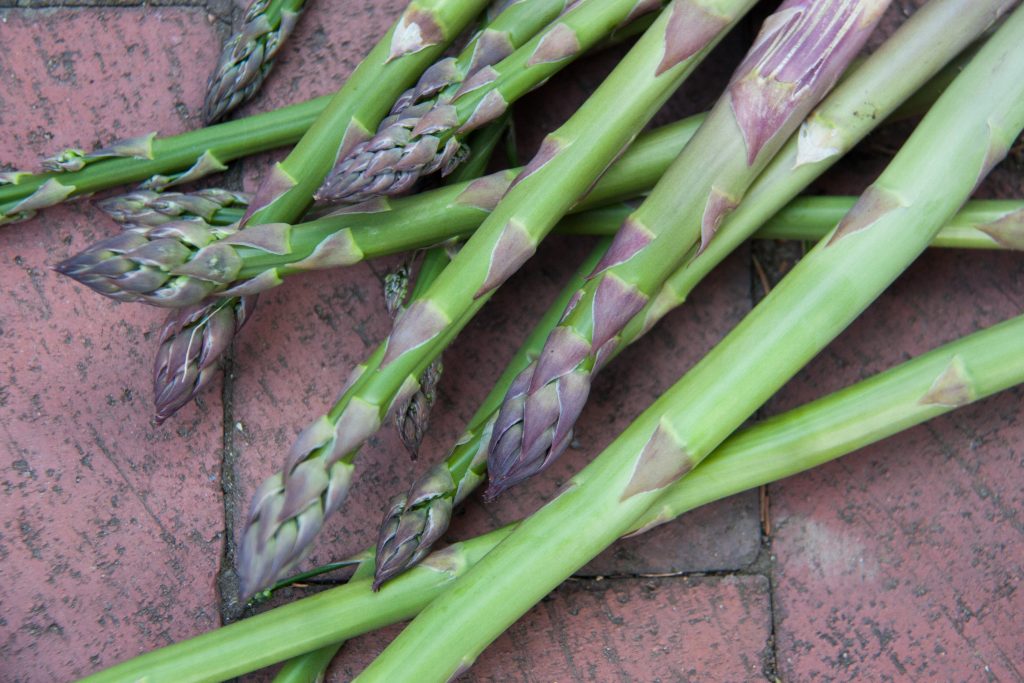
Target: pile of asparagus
point(668, 204)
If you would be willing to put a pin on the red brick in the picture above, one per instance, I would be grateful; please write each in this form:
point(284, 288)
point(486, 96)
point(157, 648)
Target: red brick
point(679, 629)
point(904, 562)
point(112, 527)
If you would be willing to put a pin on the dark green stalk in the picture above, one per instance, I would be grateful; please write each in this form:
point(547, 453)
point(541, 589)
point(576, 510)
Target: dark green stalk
point(780, 447)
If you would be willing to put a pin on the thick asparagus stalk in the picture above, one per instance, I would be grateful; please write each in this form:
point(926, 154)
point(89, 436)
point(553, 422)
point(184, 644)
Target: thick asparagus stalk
point(424, 139)
point(290, 508)
point(966, 132)
point(782, 446)
point(410, 528)
point(248, 55)
point(418, 518)
point(666, 230)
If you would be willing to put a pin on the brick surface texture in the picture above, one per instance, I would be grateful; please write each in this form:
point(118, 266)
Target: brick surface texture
point(901, 562)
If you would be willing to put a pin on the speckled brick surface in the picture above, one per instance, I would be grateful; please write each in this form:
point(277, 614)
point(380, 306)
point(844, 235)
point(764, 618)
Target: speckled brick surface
point(111, 528)
point(903, 562)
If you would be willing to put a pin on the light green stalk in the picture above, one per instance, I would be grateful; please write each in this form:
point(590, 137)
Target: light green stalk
point(696, 200)
point(428, 138)
point(319, 466)
point(415, 520)
point(774, 449)
point(418, 518)
point(967, 131)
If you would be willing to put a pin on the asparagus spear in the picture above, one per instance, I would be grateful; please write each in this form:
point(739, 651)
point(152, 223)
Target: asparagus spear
point(976, 120)
point(180, 265)
point(248, 55)
point(418, 518)
point(289, 509)
point(424, 139)
point(982, 224)
point(144, 209)
point(193, 153)
point(666, 230)
point(782, 446)
point(191, 342)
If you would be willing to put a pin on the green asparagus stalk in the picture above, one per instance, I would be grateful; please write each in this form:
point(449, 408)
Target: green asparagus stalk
point(423, 140)
point(675, 227)
point(779, 447)
point(189, 154)
point(203, 330)
point(289, 509)
point(415, 520)
point(976, 120)
point(178, 265)
point(248, 55)
point(420, 517)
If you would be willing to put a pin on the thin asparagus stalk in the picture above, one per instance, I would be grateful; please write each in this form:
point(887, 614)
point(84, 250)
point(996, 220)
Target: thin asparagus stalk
point(178, 265)
point(190, 154)
point(418, 518)
point(248, 55)
point(675, 227)
point(425, 139)
point(779, 447)
point(289, 509)
point(976, 121)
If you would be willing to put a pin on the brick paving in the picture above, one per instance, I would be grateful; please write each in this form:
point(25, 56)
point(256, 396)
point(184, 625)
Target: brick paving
point(902, 562)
